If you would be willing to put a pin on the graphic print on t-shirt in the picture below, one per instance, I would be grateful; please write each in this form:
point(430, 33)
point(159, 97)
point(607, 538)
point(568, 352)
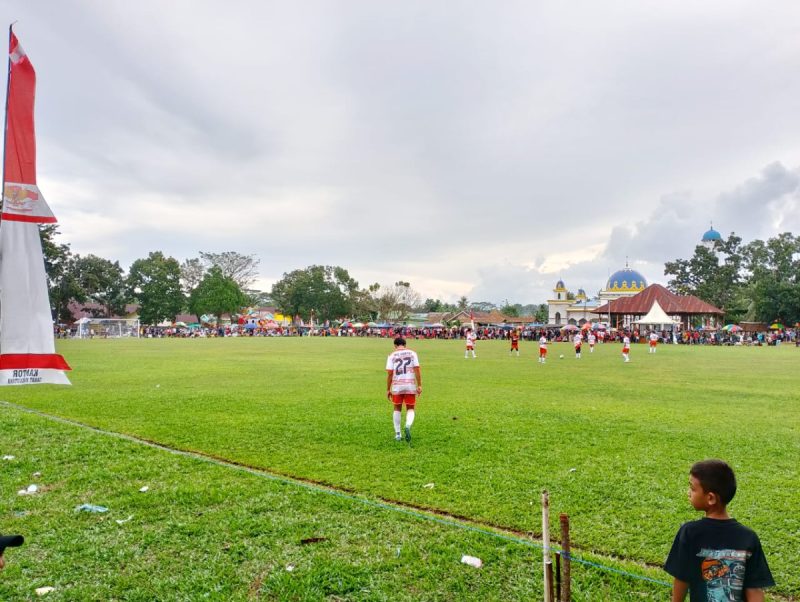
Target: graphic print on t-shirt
point(723, 574)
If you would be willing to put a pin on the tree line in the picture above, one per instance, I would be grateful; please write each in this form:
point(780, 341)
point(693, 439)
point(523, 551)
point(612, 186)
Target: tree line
point(213, 283)
point(758, 281)
point(220, 283)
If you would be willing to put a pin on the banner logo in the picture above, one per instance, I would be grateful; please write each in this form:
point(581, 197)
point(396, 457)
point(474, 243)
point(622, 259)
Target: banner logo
point(20, 198)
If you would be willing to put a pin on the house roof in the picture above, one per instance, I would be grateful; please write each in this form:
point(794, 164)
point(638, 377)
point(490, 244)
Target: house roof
point(437, 316)
point(92, 310)
point(493, 317)
point(672, 304)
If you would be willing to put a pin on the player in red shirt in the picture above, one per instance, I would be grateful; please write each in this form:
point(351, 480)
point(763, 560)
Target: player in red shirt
point(514, 342)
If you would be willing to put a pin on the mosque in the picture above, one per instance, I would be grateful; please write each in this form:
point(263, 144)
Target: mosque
point(710, 238)
point(566, 308)
point(577, 309)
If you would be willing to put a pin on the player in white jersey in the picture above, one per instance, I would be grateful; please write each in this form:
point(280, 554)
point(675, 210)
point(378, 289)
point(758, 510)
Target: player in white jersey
point(577, 340)
point(403, 385)
point(470, 343)
point(653, 341)
point(542, 349)
point(592, 341)
point(626, 347)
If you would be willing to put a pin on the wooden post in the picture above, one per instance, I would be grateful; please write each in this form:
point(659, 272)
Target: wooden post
point(566, 594)
point(548, 565)
point(558, 576)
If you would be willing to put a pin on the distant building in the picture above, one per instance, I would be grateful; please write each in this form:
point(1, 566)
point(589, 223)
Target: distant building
point(626, 282)
point(577, 309)
point(683, 310)
point(710, 237)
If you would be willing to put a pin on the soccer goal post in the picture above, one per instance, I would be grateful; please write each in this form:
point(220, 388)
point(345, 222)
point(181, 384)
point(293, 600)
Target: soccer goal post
point(109, 328)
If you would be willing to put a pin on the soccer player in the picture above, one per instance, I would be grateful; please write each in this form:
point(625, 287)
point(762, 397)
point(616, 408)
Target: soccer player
point(592, 341)
point(403, 385)
point(542, 349)
point(470, 344)
point(578, 341)
point(626, 347)
point(514, 342)
point(653, 342)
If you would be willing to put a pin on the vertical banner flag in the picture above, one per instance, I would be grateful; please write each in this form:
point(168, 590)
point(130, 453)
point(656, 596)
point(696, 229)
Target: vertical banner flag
point(27, 347)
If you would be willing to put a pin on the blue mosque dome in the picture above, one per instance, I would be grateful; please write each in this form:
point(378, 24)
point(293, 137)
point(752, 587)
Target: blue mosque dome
point(626, 279)
point(711, 235)
point(560, 285)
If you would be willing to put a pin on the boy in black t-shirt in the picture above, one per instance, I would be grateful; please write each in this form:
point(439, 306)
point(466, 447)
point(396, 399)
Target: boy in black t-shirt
point(715, 558)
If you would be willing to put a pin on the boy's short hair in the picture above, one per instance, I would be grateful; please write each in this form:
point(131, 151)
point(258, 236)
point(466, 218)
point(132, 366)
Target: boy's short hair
point(399, 342)
point(715, 476)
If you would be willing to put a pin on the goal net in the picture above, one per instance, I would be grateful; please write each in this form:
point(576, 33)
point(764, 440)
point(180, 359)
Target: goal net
point(107, 328)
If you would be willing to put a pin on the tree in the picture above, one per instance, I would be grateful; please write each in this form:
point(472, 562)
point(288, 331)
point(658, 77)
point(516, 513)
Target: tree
point(511, 310)
point(483, 306)
point(192, 272)
point(259, 298)
point(462, 303)
point(758, 281)
point(327, 290)
point(530, 309)
point(242, 269)
point(436, 305)
point(773, 286)
point(393, 302)
point(62, 281)
point(430, 305)
point(713, 275)
point(542, 313)
point(216, 294)
point(155, 282)
point(102, 282)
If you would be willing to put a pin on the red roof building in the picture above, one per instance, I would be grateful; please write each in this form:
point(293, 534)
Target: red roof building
point(623, 312)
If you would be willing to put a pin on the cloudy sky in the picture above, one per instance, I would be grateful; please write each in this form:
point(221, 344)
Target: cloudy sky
point(477, 148)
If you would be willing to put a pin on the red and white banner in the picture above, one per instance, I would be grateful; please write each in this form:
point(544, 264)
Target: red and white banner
point(27, 347)
point(22, 200)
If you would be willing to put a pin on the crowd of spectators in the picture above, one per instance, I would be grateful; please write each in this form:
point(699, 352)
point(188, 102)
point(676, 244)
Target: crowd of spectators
point(685, 337)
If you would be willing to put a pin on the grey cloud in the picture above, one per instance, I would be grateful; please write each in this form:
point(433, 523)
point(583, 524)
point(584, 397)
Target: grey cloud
point(672, 230)
point(481, 142)
point(763, 203)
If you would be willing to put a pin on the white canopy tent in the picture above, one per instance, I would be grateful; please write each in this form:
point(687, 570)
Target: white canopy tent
point(657, 317)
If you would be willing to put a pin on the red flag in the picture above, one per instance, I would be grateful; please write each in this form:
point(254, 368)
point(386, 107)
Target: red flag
point(22, 200)
point(27, 349)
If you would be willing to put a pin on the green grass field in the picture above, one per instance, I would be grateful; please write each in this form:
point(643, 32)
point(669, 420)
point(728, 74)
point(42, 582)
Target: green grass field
point(612, 442)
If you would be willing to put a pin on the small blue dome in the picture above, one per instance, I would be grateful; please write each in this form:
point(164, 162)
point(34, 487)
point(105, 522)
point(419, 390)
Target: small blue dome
point(581, 293)
point(560, 284)
point(711, 235)
point(626, 279)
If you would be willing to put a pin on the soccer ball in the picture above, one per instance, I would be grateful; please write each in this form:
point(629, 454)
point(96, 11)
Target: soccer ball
point(561, 357)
